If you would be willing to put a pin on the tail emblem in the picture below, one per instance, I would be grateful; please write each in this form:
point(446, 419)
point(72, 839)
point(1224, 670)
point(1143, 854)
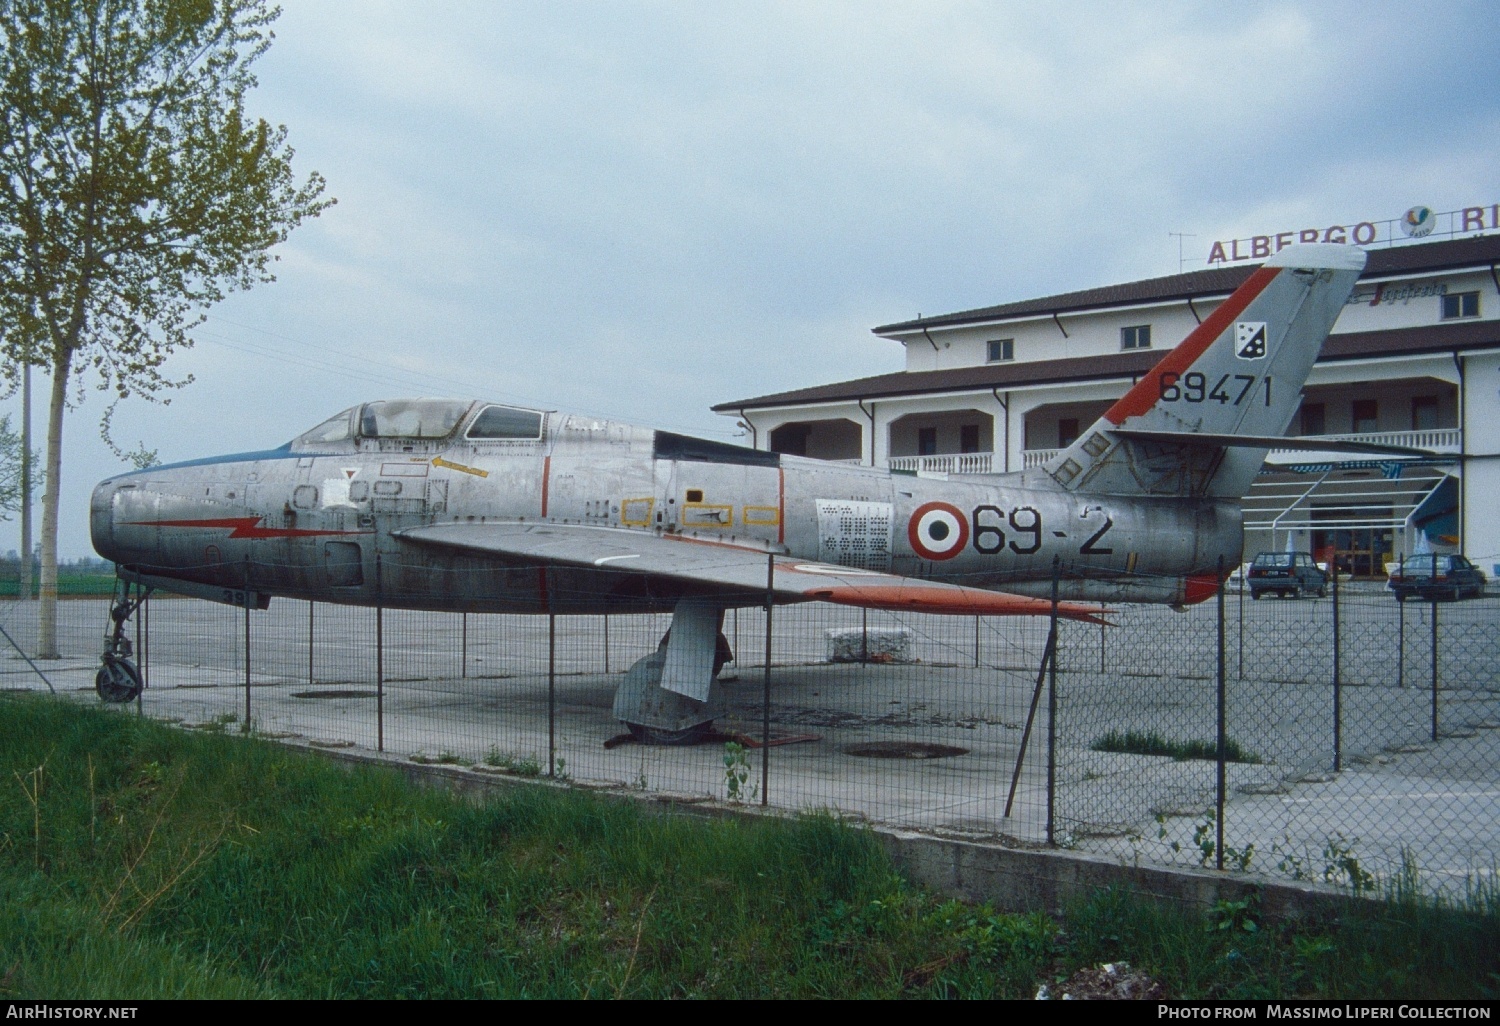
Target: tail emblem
point(1250, 339)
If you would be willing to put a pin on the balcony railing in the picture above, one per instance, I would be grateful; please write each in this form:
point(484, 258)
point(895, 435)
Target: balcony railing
point(949, 463)
point(1435, 439)
point(1444, 440)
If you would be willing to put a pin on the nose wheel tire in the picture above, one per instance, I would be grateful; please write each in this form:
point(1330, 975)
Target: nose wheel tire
point(118, 681)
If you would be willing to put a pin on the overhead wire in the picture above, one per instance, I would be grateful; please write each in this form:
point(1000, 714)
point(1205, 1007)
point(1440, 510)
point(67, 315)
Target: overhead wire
point(356, 366)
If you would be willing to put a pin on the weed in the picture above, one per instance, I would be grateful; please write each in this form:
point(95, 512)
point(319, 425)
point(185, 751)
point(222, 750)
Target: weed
point(1339, 866)
point(737, 773)
point(521, 766)
point(219, 723)
point(1134, 742)
point(1235, 916)
point(1205, 839)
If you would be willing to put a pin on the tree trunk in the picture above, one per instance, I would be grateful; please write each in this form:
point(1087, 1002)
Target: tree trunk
point(26, 474)
point(46, 641)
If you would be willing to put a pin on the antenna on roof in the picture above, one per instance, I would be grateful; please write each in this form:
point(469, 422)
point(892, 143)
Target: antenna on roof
point(1180, 236)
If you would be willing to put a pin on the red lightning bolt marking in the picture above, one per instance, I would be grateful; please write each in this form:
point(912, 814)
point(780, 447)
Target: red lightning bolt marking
point(244, 527)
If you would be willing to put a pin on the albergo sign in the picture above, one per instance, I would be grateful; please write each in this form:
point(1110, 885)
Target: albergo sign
point(1364, 233)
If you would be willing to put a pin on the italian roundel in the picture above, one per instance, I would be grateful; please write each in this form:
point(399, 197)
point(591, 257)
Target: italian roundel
point(937, 530)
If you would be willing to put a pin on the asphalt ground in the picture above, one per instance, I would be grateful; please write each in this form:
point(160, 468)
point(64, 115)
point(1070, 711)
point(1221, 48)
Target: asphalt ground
point(1325, 799)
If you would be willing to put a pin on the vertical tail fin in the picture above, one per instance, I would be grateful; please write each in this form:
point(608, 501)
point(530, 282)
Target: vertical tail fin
point(1240, 372)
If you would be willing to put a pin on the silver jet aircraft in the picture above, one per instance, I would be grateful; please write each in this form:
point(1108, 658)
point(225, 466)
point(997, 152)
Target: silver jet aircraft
point(444, 504)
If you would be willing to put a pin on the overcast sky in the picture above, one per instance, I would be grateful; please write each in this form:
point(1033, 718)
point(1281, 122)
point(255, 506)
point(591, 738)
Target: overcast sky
point(639, 210)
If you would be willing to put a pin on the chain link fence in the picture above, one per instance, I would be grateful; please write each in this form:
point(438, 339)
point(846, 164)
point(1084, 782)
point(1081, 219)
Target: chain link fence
point(1343, 739)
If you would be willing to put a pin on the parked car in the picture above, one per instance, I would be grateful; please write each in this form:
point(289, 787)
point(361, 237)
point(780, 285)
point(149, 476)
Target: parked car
point(1433, 576)
point(1286, 573)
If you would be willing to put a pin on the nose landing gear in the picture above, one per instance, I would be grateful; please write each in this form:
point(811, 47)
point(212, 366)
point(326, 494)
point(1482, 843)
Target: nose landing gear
point(118, 680)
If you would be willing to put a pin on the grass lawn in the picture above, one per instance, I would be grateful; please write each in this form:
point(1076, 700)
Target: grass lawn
point(140, 861)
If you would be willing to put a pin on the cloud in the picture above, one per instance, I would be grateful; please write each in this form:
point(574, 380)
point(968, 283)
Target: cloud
point(643, 209)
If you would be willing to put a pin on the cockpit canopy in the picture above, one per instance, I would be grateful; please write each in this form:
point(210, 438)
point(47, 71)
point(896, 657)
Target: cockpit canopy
point(424, 420)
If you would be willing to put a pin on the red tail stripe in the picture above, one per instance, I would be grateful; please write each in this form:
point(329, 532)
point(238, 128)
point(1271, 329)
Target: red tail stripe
point(1148, 390)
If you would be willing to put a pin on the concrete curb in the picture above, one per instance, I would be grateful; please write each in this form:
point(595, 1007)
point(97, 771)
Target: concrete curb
point(1013, 879)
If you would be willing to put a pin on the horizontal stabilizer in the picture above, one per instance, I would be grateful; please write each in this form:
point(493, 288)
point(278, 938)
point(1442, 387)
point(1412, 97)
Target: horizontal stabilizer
point(1270, 442)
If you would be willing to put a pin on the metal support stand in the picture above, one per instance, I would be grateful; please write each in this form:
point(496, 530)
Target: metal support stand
point(552, 695)
point(765, 691)
point(1036, 698)
point(1221, 749)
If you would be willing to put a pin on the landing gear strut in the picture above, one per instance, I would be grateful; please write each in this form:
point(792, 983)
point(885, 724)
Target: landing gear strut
point(118, 680)
point(670, 697)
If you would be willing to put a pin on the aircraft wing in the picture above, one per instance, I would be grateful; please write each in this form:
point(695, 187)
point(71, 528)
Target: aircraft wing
point(733, 568)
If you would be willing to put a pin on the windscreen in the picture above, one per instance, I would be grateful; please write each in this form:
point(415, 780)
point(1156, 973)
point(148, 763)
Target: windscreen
point(411, 418)
point(335, 429)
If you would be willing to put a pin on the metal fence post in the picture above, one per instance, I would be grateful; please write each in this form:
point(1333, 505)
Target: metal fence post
point(463, 644)
point(247, 660)
point(1052, 712)
point(1338, 684)
point(379, 678)
point(1400, 644)
point(1101, 637)
point(1242, 622)
point(310, 635)
point(606, 643)
point(1434, 670)
point(552, 694)
point(765, 693)
point(976, 642)
point(1222, 744)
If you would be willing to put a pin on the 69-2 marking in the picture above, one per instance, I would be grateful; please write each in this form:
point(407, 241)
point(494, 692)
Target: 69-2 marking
point(989, 524)
point(1229, 390)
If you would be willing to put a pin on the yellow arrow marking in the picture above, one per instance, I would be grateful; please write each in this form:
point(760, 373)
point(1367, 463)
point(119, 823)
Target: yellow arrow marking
point(438, 461)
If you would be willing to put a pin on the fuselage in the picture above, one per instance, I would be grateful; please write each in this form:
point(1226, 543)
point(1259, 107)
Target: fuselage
point(322, 517)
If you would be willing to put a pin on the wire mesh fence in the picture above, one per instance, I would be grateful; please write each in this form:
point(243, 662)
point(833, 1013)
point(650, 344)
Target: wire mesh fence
point(1339, 739)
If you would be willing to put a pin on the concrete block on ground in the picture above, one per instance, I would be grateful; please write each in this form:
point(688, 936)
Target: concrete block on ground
point(877, 645)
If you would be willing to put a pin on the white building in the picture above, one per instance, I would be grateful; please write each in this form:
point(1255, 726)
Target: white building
point(1413, 361)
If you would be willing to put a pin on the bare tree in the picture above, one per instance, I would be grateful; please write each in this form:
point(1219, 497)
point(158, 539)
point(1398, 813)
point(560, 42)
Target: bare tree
point(134, 194)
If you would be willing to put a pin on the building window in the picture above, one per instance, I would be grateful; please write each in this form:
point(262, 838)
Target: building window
point(927, 441)
point(1313, 420)
point(1460, 304)
point(1424, 413)
point(968, 438)
point(1136, 337)
point(1366, 416)
point(999, 350)
point(1067, 432)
